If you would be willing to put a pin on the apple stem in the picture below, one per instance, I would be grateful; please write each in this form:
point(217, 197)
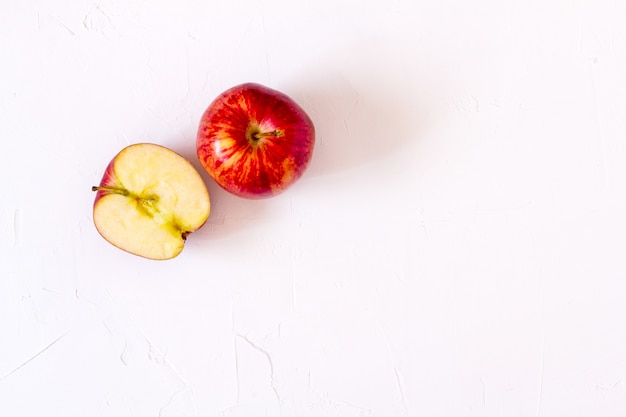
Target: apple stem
point(111, 190)
point(276, 133)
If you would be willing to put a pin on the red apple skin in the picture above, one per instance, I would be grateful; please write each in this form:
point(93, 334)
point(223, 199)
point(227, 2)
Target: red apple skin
point(108, 180)
point(255, 141)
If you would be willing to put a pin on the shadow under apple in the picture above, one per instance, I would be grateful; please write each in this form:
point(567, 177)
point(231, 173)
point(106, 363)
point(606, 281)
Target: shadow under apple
point(361, 109)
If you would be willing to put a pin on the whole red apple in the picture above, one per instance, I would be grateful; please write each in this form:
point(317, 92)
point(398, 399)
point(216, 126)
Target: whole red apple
point(255, 141)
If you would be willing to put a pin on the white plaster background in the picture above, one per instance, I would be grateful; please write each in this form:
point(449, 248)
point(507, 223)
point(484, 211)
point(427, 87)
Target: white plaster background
point(457, 247)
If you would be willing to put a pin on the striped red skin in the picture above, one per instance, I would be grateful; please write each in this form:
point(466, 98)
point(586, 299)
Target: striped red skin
point(255, 168)
point(108, 180)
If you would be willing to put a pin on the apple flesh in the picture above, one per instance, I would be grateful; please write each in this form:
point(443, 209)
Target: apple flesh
point(255, 141)
point(149, 200)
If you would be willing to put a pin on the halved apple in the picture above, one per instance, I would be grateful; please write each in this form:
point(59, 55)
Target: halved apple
point(149, 200)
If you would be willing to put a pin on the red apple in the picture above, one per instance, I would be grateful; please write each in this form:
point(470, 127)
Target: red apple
point(149, 200)
point(255, 141)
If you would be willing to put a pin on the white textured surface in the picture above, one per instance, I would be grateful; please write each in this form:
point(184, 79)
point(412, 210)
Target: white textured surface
point(457, 247)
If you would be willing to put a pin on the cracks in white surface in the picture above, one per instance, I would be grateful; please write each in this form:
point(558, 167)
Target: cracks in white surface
point(238, 396)
point(396, 371)
point(400, 386)
point(541, 369)
point(269, 360)
point(168, 403)
point(158, 357)
point(66, 27)
point(123, 352)
point(17, 226)
point(293, 284)
point(366, 412)
point(78, 297)
point(178, 404)
point(98, 19)
point(484, 384)
point(32, 358)
point(155, 355)
point(235, 355)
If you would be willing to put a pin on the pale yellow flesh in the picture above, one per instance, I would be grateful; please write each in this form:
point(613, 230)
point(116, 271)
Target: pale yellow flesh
point(167, 199)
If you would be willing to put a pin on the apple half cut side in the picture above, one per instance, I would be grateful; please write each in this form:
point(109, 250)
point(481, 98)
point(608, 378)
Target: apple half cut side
point(149, 200)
